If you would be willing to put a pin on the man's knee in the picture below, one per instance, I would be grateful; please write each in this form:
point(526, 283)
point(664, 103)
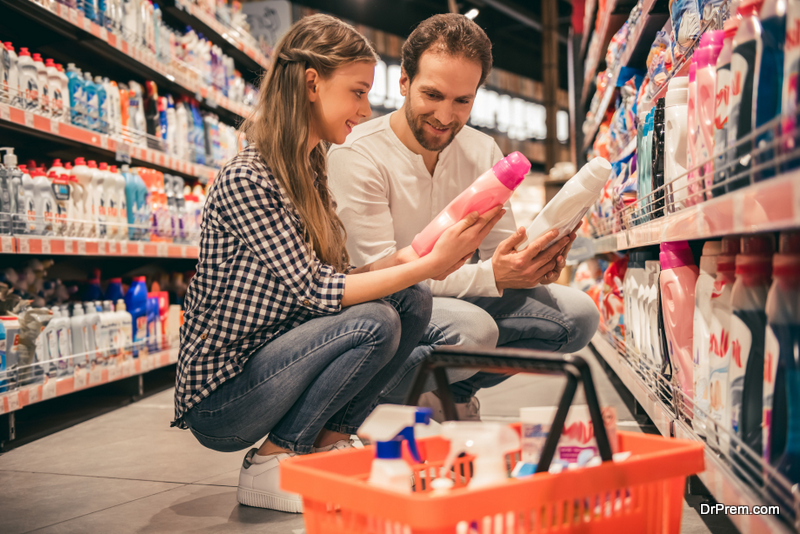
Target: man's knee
point(583, 318)
point(472, 327)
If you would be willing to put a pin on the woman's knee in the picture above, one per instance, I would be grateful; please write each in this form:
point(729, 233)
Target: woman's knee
point(380, 325)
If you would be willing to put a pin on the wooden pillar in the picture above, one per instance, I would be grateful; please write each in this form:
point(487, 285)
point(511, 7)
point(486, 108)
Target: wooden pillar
point(550, 75)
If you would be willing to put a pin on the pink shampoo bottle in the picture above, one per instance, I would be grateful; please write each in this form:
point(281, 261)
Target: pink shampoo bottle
point(707, 55)
point(678, 280)
point(492, 188)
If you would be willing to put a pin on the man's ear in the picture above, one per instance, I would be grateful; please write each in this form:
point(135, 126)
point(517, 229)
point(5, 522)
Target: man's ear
point(312, 82)
point(405, 82)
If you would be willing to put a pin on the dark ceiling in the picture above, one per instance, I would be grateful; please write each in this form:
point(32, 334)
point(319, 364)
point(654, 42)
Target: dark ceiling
point(517, 47)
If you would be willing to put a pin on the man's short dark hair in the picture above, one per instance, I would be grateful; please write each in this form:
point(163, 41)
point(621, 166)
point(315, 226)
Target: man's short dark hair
point(452, 34)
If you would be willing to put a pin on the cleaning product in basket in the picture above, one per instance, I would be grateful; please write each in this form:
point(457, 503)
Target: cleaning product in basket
point(748, 327)
point(723, 105)
point(745, 67)
point(489, 443)
point(568, 207)
point(782, 360)
point(675, 142)
point(678, 281)
point(701, 333)
point(490, 189)
point(387, 426)
point(710, 48)
point(769, 82)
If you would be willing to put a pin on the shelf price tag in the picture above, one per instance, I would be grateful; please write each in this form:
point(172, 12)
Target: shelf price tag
point(45, 245)
point(33, 394)
point(5, 113)
point(73, 15)
point(87, 25)
point(13, 401)
point(96, 376)
point(103, 34)
point(69, 246)
point(82, 247)
point(162, 249)
point(28, 119)
point(24, 246)
point(128, 368)
point(104, 142)
point(6, 244)
point(114, 373)
point(140, 249)
point(54, 127)
point(49, 390)
point(80, 378)
point(124, 152)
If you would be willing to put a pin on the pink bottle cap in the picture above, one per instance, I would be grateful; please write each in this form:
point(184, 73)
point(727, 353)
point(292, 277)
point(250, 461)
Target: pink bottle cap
point(712, 39)
point(693, 67)
point(675, 254)
point(511, 170)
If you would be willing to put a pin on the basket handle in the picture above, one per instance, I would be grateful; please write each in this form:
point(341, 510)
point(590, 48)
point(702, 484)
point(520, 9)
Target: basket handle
point(513, 361)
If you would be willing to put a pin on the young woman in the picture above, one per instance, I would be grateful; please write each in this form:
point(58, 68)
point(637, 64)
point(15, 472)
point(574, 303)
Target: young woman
point(282, 336)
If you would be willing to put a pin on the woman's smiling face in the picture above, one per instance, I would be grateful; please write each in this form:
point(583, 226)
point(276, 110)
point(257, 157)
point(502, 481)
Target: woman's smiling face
point(338, 102)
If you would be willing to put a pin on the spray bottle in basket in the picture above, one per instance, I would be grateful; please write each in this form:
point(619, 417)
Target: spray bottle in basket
point(488, 442)
point(387, 426)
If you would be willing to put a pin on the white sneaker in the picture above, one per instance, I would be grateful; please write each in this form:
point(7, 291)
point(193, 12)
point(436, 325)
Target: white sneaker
point(341, 445)
point(259, 485)
point(467, 411)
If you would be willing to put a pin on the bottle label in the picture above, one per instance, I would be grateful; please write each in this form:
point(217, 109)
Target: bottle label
point(741, 340)
point(772, 350)
point(63, 347)
point(742, 72)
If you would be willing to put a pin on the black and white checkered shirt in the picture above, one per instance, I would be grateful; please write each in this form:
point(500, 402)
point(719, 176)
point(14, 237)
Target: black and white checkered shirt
point(256, 279)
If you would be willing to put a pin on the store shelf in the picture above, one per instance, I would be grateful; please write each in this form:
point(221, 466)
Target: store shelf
point(83, 379)
point(718, 478)
point(60, 246)
point(233, 42)
point(175, 76)
point(597, 46)
point(40, 126)
point(766, 206)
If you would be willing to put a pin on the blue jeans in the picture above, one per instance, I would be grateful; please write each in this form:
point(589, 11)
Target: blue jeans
point(325, 373)
point(552, 318)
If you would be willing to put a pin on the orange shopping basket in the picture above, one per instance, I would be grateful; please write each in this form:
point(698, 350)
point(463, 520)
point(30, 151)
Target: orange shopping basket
point(643, 494)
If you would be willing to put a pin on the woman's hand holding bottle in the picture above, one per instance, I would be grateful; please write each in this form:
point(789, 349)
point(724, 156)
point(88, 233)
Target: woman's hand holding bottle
point(459, 242)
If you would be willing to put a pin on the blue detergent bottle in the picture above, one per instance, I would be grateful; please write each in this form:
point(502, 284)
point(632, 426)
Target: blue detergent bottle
point(132, 209)
point(152, 322)
point(114, 290)
point(136, 305)
point(75, 85)
point(781, 431)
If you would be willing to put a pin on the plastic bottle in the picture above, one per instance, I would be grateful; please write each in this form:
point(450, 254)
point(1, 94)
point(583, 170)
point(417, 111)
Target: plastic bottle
point(791, 78)
point(706, 56)
point(79, 335)
point(11, 326)
point(29, 199)
point(3, 372)
point(62, 191)
point(782, 365)
point(492, 188)
point(678, 280)
point(748, 326)
point(387, 426)
point(28, 81)
point(151, 115)
point(92, 321)
point(723, 103)
point(132, 208)
point(45, 203)
point(137, 113)
point(112, 107)
point(701, 333)
point(122, 204)
point(47, 352)
point(55, 91)
point(153, 331)
point(658, 156)
point(11, 179)
point(84, 175)
point(180, 208)
point(144, 202)
point(102, 105)
point(745, 67)
point(62, 326)
point(44, 92)
point(77, 100)
point(675, 142)
point(691, 133)
point(652, 306)
point(114, 290)
point(7, 213)
point(136, 304)
point(644, 164)
point(487, 442)
point(631, 347)
point(640, 289)
point(63, 88)
point(125, 323)
point(9, 90)
point(92, 111)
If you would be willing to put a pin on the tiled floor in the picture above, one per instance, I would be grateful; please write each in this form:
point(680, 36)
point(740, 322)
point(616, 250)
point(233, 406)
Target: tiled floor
point(128, 471)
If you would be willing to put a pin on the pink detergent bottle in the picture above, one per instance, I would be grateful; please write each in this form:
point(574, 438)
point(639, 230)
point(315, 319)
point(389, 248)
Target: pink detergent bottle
point(678, 281)
point(492, 188)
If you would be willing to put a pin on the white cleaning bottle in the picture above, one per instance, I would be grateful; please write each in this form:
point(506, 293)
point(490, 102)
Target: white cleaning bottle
point(387, 426)
point(44, 92)
point(568, 207)
point(120, 204)
point(675, 139)
point(55, 90)
point(64, 336)
point(45, 203)
point(98, 181)
point(653, 304)
point(701, 333)
point(84, 175)
point(9, 91)
point(125, 324)
point(28, 81)
point(79, 335)
point(487, 442)
point(92, 321)
point(62, 191)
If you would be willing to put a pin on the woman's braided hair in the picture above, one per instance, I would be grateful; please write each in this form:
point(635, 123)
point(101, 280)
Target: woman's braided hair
point(279, 125)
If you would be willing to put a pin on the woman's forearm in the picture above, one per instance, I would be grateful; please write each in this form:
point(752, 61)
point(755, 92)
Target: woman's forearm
point(400, 257)
point(374, 284)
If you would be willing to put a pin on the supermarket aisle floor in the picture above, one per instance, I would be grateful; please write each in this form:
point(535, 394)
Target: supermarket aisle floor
point(127, 471)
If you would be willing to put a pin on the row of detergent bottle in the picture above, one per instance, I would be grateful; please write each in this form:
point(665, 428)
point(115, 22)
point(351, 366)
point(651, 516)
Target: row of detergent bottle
point(96, 201)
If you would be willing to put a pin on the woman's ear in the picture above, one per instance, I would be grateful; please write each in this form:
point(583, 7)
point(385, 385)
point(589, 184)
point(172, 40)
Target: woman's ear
point(312, 83)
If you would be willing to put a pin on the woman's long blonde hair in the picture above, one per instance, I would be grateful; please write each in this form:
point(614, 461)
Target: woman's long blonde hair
point(280, 123)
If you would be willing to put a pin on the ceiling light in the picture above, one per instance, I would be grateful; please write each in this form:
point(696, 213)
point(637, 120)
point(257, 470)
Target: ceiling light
point(472, 13)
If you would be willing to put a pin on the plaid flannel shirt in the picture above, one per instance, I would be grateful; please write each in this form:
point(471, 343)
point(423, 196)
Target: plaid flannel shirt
point(256, 279)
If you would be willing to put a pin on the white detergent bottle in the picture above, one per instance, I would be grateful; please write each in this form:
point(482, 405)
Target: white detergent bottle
point(79, 335)
point(701, 333)
point(110, 201)
point(48, 354)
point(45, 203)
point(653, 304)
point(55, 90)
point(387, 426)
point(568, 207)
point(627, 297)
point(92, 321)
point(84, 175)
point(28, 81)
point(98, 182)
point(29, 199)
point(106, 328)
point(720, 345)
point(62, 191)
point(125, 323)
point(44, 92)
point(14, 178)
point(675, 142)
point(64, 338)
point(489, 443)
point(9, 84)
point(121, 215)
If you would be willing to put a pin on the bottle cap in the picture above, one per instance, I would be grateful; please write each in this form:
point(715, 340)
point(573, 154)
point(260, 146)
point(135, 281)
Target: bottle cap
point(52, 175)
point(57, 163)
point(712, 248)
point(678, 91)
point(712, 39)
point(140, 279)
point(9, 159)
point(730, 27)
point(49, 63)
point(103, 166)
point(757, 246)
point(92, 164)
point(113, 168)
point(8, 46)
point(750, 8)
point(23, 168)
point(24, 52)
point(675, 254)
point(116, 280)
point(59, 67)
point(789, 243)
point(68, 166)
point(511, 170)
point(37, 58)
point(80, 161)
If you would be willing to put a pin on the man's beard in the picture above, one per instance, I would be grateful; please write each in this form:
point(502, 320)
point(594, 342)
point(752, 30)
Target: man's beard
point(417, 125)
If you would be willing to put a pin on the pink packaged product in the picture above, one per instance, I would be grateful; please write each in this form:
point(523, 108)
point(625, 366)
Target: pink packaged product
point(492, 188)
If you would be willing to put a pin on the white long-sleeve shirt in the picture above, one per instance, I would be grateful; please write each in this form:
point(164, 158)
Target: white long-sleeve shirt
point(385, 196)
